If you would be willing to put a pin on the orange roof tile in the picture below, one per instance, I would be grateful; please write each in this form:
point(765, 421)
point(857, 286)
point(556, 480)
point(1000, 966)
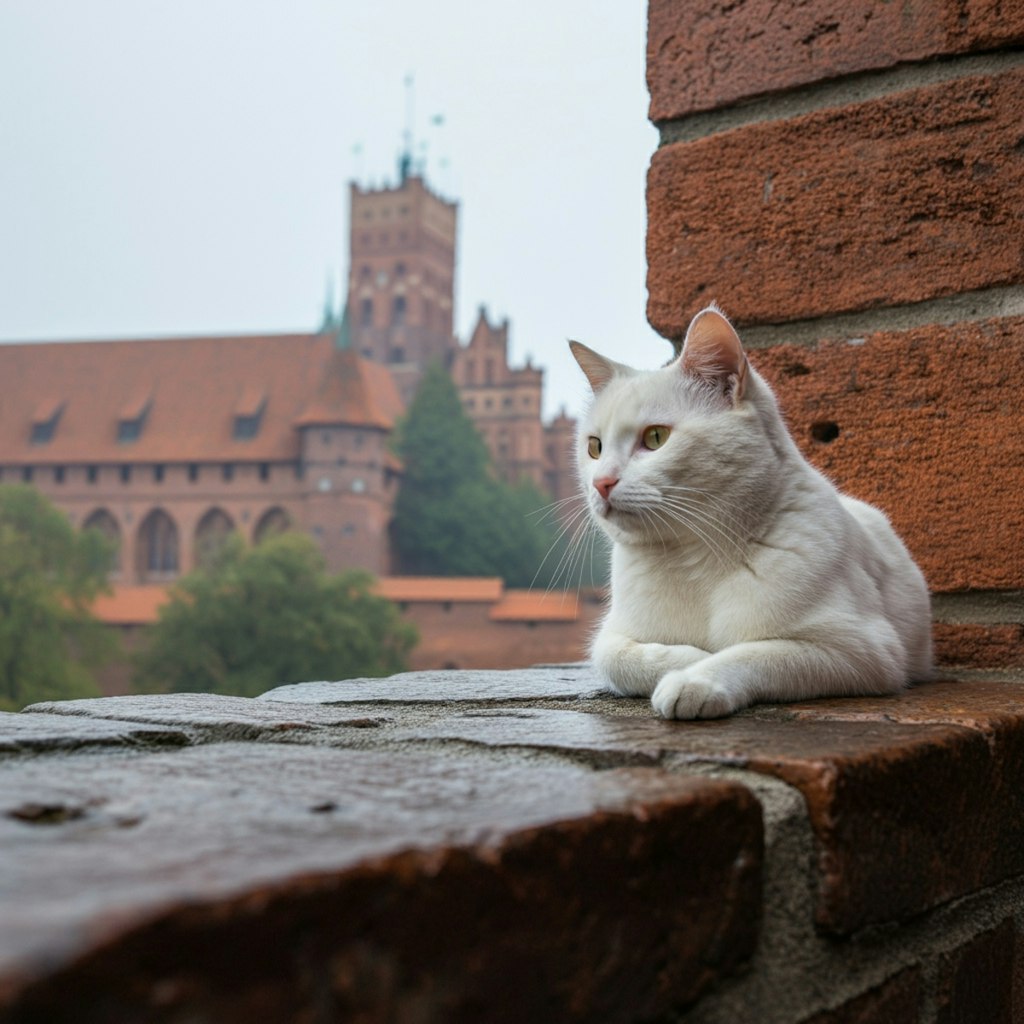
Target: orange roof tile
point(130, 606)
point(353, 391)
point(536, 606)
point(440, 588)
point(194, 386)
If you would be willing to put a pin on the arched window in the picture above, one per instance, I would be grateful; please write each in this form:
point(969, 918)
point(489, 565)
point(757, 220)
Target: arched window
point(157, 547)
point(398, 311)
point(273, 522)
point(211, 535)
point(105, 524)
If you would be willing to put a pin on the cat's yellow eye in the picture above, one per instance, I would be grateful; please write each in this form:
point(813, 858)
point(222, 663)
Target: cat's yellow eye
point(594, 447)
point(654, 437)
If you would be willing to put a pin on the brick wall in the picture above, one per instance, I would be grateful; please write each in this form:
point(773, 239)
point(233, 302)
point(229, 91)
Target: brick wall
point(847, 180)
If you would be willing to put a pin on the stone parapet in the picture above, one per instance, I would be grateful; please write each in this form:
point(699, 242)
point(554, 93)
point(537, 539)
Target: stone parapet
point(474, 846)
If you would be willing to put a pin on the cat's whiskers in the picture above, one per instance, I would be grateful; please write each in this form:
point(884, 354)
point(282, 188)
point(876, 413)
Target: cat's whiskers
point(570, 523)
point(730, 526)
point(714, 503)
point(725, 544)
point(709, 542)
point(555, 508)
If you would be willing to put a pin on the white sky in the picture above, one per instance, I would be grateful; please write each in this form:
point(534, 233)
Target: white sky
point(182, 167)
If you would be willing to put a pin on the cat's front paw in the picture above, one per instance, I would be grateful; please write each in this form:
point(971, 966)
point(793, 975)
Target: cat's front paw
point(684, 695)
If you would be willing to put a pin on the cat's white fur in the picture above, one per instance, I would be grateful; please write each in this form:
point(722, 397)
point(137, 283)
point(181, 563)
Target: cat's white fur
point(740, 574)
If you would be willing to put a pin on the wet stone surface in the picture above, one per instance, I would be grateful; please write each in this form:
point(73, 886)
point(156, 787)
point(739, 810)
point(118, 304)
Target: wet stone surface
point(528, 843)
point(52, 732)
point(560, 682)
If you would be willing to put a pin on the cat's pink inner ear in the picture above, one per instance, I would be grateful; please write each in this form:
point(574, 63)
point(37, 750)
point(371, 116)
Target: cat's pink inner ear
point(713, 351)
point(596, 368)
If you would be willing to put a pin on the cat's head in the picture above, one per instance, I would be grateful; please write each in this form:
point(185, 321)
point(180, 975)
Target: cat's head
point(664, 455)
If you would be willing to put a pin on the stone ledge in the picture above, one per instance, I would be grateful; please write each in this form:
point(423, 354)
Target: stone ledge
point(533, 848)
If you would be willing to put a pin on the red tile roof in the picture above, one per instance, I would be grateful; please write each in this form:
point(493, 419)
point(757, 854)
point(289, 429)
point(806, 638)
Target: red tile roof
point(130, 606)
point(439, 588)
point(536, 606)
point(191, 390)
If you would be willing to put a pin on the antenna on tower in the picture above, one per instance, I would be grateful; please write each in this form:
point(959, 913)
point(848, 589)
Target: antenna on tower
point(405, 160)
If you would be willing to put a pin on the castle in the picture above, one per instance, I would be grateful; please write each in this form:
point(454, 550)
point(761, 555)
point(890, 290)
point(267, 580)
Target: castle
point(167, 446)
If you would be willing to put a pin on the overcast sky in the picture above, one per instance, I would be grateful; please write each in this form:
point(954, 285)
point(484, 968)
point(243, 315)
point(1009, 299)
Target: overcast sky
point(183, 168)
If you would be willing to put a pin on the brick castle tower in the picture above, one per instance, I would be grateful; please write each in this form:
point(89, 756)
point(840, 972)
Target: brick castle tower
point(401, 277)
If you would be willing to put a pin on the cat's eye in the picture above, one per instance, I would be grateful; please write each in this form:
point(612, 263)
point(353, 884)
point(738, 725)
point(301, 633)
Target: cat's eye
point(654, 437)
point(594, 447)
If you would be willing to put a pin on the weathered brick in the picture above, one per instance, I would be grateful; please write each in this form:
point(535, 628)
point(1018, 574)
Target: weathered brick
point(712, 53)
point(995, 709)
point(243, 882)
point(975, 982)
point(928, 429)
point(978, 646)
point(881, 794)
point(895, 1001)
point(892, 200)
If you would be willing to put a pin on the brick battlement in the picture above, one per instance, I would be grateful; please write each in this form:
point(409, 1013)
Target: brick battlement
point(512, 846)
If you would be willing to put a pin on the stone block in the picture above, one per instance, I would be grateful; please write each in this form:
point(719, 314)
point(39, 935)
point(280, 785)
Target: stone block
point(207, 716)
point(713, 53)
point(892, 200)
point(40, 733)
point(444, 687)
point(881, 793)
point(242, 882)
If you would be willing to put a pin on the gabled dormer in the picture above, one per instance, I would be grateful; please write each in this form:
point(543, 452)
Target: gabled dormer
point(45, 420)
point(131, 421)
point(248, 413)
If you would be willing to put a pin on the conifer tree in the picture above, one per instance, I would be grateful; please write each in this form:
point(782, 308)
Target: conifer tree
point(452, 517)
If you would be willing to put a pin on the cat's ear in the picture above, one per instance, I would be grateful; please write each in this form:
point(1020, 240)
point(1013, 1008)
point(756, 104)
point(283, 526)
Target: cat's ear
point(713, 352)
point(596, 368)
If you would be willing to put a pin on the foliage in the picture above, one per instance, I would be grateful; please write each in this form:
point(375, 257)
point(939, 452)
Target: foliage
point(452, 517)
point(255, 618)
point(49, 576)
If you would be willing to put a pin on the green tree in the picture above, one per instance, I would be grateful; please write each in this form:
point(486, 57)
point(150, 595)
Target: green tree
point(50, 574)
point(452, 517)
point(258, 617)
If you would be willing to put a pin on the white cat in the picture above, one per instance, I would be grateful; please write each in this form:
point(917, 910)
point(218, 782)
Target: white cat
point(739, 573)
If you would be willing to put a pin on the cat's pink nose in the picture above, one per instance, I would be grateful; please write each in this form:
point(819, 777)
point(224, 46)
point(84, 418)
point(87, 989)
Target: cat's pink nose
point(605, 484)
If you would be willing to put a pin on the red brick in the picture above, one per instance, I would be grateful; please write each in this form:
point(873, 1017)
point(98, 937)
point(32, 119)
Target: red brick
point(995, 709)
point(712, 53)
point(895, 1001)
point(929, 430)
point(975, 982)
point(882, 796)
point(978, 646)
point(272, 882)
point(893, 200)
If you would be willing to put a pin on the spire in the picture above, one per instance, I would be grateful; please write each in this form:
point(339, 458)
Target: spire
point(343, 338)
point(329, 317)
